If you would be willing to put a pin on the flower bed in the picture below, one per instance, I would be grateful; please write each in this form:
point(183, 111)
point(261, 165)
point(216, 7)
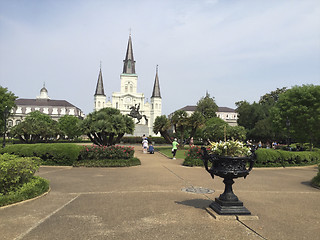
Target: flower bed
point(104, 152)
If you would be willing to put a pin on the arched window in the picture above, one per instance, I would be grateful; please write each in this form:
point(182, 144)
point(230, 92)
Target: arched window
point(99, 104)
point(126, 88)
point(10, 123)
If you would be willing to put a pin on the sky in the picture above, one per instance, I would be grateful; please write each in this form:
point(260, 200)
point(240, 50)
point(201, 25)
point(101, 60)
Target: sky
point(233, 49)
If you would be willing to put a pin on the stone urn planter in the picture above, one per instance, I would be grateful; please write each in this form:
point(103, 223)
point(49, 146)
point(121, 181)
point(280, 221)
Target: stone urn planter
point(228, 168)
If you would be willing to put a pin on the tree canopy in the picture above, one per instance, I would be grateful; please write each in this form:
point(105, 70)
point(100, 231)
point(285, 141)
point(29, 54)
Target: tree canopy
point(107, 126)
point(7, 103)
point(70, 126)
point(297, 113)
point(162, 125)
point(36, 127)
point(207, 107)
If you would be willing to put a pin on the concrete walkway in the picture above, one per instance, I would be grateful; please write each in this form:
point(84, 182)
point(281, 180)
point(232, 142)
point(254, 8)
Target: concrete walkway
point(146, 202)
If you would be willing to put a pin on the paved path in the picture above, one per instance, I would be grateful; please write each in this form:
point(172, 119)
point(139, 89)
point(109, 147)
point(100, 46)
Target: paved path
point(146, 202)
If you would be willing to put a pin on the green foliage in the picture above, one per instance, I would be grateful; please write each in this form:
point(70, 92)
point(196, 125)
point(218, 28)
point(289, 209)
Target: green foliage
point(62, 154)
point(104, 152)
point(277, 158)
point(256, 117)
point(180, 123)
point(214, 129)
point(300, 107)
point(162, 125)
point(138, 140)
point(15, 171)
point(193, 157)
point(316, 180)
point(33, 188)
point(107, 162)
point(207, 107)
point(70, 126)
point(7, 103)
point(107, 126)
point(35, 128)
point(195, 122)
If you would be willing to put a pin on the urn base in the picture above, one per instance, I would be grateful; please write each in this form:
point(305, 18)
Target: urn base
point(229, 207)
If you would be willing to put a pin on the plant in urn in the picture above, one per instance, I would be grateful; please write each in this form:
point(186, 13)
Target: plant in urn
point(229, 160)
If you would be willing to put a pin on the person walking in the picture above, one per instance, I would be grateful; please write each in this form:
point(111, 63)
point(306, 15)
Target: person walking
point(175, 145)
point(145, 145)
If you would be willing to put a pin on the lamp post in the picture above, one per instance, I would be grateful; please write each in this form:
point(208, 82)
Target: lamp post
point(5, 116)
point(288, 131)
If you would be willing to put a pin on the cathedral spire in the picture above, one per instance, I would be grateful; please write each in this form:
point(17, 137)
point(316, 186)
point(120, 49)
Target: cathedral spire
point(99, 88)
point(156, 86)
point(129, 63)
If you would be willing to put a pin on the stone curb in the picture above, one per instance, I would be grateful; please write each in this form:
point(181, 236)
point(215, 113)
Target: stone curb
point(24, 201)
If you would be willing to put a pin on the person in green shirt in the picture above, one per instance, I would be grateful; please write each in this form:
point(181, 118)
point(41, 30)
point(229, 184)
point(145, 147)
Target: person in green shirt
point(175, 145)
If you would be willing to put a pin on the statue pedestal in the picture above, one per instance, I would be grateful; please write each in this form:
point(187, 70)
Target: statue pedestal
point(141, 129)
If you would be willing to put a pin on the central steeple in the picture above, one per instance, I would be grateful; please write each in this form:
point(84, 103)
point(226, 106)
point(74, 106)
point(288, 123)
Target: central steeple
point(129, 63)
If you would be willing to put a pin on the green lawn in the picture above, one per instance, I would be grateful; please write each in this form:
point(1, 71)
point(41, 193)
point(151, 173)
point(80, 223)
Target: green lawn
point(167, 151)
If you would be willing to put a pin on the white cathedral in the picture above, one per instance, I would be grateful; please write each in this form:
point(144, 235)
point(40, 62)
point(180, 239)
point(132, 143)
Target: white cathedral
point(129, 99)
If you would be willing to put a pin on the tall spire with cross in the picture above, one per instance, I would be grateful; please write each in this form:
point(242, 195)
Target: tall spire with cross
point(156, 86)
point(129, 62)
point(99, 88)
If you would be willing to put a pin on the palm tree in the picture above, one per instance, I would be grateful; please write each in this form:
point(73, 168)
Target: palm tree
point(107, 126)
point(180, 123)
point(162, 125)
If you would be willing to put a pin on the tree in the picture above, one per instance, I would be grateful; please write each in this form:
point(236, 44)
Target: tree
point(7, 103)
point(207, 107)
point(70, 126)
point(297, 113)
point(236, 132)
point(107, 126)
point(195, 121)
point(36, 127)
point(214, 129)
point(271, 98)
point(162, 125)
point(180, 123)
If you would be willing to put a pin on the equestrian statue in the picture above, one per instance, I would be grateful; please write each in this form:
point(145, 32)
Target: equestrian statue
point(134, 113)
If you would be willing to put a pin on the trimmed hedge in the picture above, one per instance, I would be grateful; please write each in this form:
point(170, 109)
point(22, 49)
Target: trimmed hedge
point(108, 162)
point(265, 158)
point(62, 154)
point(280, 158)
point(16, 171)
point(138, 140)
point(104, 152)
point(316, 180)
point(35, 187)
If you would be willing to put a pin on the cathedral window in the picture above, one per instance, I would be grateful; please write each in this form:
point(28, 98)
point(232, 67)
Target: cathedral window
point(126, 88)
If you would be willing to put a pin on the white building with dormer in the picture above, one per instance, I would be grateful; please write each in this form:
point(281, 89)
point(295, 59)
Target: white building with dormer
point(54, 108)
point(129, 97)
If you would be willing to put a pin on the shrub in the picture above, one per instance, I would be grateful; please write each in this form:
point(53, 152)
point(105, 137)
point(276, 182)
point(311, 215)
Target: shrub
point(193, 157)
point(138, 140)
point(277, 158)
point(316, 180)
point(35, 187)
point(15, 171)
point(50, 153)
point(104, 152)
point(108, 162)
